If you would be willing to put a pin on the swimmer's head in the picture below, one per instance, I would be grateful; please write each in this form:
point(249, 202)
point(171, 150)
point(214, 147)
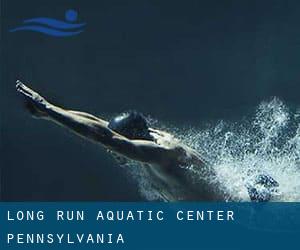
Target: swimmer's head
point(132, 125)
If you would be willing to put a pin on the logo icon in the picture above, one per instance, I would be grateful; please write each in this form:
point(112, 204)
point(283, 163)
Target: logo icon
point(53, 27)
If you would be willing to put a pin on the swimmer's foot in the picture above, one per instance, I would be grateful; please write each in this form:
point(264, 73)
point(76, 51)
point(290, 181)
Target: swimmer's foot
point(263, 188)
point(34, 103)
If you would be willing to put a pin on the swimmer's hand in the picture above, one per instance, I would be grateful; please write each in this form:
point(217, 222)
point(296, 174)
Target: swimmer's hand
point(35, 103)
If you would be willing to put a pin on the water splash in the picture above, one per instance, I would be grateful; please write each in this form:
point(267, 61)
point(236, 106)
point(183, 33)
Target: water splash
point(267, 142)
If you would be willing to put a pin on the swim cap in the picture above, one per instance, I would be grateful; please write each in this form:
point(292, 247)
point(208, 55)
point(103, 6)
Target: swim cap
point(132, 125)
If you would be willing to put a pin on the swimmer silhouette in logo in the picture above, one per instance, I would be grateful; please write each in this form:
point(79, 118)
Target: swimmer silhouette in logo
point(164, 156)
point(53, 27)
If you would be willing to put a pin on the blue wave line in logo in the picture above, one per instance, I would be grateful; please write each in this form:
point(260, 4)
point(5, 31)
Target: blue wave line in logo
point(47, 31)
point(55, 27)
point(53, 23)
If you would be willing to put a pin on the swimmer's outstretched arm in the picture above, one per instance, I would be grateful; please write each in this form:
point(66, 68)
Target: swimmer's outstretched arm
point(95, 129)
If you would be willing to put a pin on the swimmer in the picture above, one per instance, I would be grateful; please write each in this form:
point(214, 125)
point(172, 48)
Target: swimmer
point(129, 136)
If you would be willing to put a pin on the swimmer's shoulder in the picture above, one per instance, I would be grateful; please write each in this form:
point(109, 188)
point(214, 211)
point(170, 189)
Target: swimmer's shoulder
point(185, 155)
